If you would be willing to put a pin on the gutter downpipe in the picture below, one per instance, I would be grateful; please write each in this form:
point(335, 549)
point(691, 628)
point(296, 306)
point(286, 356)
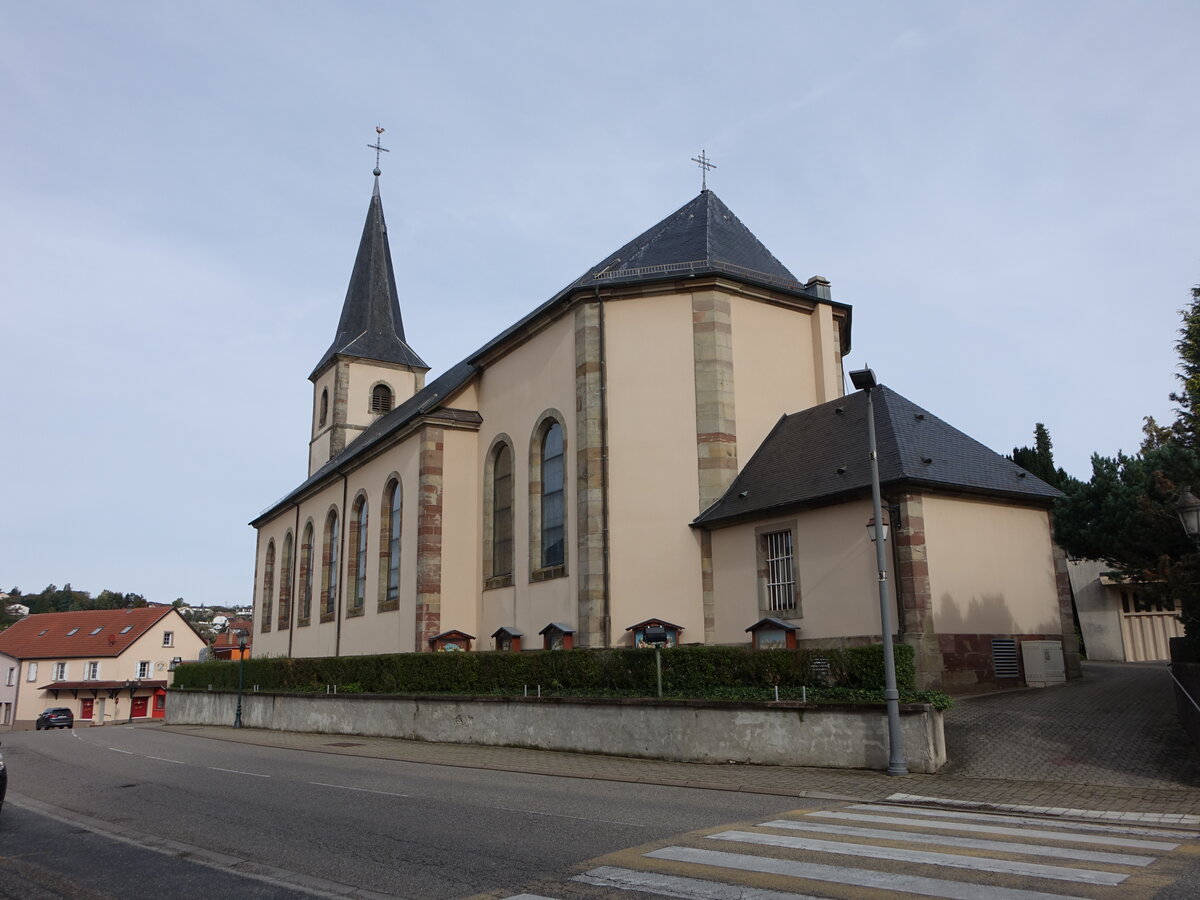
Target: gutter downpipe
point(337, 634)
point(607, 619)
point(292, 578)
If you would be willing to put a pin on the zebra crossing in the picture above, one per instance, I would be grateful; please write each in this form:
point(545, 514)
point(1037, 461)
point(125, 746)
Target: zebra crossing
point(877, 850)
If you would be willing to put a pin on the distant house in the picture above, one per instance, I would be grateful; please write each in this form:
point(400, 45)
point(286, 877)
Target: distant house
point(18, 609)
point(105, 665)
point(227, 644)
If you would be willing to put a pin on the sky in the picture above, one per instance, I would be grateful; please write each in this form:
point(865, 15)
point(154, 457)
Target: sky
point(1005, 192)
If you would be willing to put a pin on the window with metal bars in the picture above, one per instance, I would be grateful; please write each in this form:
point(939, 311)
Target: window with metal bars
point(779, 571)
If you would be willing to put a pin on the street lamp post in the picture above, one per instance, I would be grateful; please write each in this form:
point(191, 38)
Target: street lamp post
point(1188, 509)
point(237, 716)
point(133, 686)
point(864, 380)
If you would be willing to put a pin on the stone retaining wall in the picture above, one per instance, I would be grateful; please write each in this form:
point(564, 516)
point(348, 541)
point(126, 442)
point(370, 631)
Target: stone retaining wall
point(784, 733)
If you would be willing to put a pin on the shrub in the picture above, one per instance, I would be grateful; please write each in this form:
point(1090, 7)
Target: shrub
point(688, 672)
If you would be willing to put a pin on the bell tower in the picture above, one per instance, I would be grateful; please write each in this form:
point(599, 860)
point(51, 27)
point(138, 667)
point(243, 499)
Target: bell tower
point(369, 369)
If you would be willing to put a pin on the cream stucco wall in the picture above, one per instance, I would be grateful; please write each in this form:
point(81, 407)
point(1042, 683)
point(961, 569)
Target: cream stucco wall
point(991, 569)
point(653, 483)
point(363, 376)
point(835, 565)
point(512, 394)
point(773, 368)
point(392, 630)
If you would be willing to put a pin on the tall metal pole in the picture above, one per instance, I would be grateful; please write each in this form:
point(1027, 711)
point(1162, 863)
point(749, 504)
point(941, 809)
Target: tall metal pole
point(237, 716)
point(896, 763)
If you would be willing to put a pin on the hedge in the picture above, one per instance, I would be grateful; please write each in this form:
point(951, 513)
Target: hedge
point(699, 672)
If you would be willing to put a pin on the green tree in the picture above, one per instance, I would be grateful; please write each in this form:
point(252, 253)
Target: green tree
point(1039, 459)
point(1125, 514)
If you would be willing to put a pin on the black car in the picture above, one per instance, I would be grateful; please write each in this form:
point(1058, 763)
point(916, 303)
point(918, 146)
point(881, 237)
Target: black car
point(56, 717)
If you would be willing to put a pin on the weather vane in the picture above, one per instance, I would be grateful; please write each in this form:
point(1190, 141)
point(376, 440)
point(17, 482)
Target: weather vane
point(704, 164)
point(378, 148)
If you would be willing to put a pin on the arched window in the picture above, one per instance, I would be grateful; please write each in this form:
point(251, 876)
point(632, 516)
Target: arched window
point(306, 575)
point(381, 398)
point(285, 585)
point(358, 568)
point(329, 568)
point(500, 519)
point(389, 548)
point(268, 594)
point(553, 501)
point(324, 408)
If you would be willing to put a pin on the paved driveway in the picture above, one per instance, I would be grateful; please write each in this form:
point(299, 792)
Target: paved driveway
point(1115, 726)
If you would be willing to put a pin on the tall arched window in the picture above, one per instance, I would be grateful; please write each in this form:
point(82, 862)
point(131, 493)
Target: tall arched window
point(553, 498)
point(502, 512)
point(389, 547)
point(285, 584)
point(324, 408)
point(268, 594)
point(358, 568)
point(306, 575)
point(329, 568)
point(381, 398)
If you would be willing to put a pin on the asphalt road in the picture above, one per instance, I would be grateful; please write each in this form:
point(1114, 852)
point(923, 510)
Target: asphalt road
point(263, 822)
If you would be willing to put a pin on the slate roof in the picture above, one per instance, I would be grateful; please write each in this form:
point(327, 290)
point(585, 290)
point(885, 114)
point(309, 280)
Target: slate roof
point(370, 326)
point(24, 639)
point(819, 456)
point(701, 237)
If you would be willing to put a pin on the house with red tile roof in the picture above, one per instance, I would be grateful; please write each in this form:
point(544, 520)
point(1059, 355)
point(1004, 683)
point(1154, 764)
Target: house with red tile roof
point(105, 665)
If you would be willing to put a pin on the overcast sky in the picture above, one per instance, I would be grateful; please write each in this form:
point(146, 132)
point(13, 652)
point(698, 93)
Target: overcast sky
point(1005, 192)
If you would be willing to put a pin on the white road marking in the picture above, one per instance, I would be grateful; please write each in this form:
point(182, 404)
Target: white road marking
point(238, 772)
point(945, 840)
point(1161, 818)
point(346, 787)
point(950, 860)
point(118, 750)
point(163, 759)
point(528, 897)
point(677, 886)
point(996, 829)
point(865, 878)
point(1029, 820)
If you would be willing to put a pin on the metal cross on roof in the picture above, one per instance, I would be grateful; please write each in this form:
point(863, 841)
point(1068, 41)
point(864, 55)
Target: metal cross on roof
point(378, 148)
point(705, 165)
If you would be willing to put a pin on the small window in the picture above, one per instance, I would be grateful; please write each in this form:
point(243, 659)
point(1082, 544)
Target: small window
point(72, 631)
point(127, 629)
point(143, 669)
point(93, 671)
point(12, 676)
point(60, 671)
point(97, 630)
point(168, 639)
point(324, 408)
point(381, 398)
point(31, 672)
point(43, 631)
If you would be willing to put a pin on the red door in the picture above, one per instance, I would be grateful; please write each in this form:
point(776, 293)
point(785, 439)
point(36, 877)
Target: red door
point(160, 704)
point(85, 708)
point(139, 707)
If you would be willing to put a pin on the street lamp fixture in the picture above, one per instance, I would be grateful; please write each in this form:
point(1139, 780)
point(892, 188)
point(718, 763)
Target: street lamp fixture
point(864, 380)
point(1188, 509)
point(237, 716)
point(871, 530)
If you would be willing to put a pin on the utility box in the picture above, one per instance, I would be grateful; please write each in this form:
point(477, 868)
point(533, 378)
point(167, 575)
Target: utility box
point(1043, 663)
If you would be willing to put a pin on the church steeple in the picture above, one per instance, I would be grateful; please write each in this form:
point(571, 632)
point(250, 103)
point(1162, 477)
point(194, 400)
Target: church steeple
point(369, 368)
point(370, 326)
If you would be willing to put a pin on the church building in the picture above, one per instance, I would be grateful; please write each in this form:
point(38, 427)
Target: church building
point(666, 442)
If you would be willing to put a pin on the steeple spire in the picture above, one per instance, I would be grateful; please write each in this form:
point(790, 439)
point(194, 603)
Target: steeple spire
point(370, 326)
